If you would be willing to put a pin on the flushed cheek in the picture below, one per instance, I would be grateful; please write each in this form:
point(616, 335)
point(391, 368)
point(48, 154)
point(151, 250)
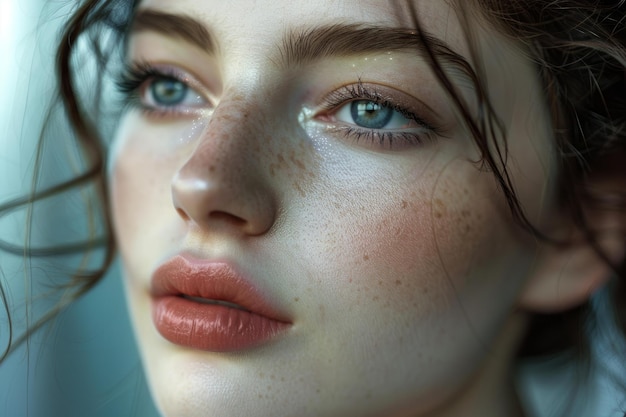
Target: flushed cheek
point(419, 243)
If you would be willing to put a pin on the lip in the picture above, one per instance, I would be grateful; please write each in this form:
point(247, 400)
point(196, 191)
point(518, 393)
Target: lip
point(243, 318)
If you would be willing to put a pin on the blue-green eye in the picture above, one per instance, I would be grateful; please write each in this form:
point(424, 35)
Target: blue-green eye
point(167, 92)
point(369, 114)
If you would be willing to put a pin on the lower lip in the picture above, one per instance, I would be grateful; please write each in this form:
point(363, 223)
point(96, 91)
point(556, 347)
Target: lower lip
point(212, 327)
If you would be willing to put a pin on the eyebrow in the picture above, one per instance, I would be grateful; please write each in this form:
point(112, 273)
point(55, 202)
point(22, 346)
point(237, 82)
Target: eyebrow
point(345, 40)
point(177, 25)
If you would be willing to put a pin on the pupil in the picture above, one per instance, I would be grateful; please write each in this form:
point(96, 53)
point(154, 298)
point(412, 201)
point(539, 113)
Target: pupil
point(370, 114)
point(168, 91)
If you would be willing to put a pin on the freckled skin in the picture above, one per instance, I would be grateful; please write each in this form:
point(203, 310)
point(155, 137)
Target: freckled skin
point(397, 268)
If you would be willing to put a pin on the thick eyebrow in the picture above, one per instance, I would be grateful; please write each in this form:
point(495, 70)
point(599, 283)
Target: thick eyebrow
point(301, 47)
point(182, 26)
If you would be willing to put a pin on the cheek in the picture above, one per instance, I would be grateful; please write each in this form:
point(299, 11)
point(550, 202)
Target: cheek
point(416, 245)
point(141, 203)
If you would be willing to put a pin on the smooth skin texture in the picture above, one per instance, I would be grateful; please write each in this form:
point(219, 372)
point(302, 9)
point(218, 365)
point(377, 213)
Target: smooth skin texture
point(399, 264)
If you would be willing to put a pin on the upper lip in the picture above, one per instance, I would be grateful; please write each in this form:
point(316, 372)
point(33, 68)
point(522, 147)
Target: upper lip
point(212, 280)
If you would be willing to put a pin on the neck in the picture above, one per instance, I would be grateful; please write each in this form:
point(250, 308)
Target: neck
point(491, 391)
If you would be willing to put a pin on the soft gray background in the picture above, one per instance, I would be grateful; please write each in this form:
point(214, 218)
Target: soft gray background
point(86, 363)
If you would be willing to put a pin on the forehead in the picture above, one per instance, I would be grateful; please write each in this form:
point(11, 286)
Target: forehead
point(262, 23)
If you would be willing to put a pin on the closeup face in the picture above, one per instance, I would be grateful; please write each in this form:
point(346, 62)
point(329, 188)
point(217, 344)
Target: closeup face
point(283, 158)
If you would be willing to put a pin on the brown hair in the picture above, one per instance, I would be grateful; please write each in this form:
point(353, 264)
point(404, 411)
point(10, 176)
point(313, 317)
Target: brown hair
point(579, 50)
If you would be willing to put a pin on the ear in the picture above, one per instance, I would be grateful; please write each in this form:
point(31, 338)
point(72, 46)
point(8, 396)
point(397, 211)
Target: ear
point(565, 276)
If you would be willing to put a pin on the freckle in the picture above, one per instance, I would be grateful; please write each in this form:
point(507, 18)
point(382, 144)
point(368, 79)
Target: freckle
point(272, 170)
point(260, 396)
point(282, 378)
point(366, 257)
point(438, 214)
point(296, 299)
point(300, 190)
point(350, 280)
point(299, 164)
point(272, 376)
point(269, 387)
point(465, 213)
point(438, 202)
point(424, 290)
point(262, 375)
point(404, 204)
point(380, 283)
point(317, 390)
point(212, 168)
point(375, 298)
point(398, 282)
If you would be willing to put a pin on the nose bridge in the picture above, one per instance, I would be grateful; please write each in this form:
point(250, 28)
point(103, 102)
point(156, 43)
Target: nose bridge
point(222, 181)
point(227, 144)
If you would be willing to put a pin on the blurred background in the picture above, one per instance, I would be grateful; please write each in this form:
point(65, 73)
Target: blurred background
point(84, 363)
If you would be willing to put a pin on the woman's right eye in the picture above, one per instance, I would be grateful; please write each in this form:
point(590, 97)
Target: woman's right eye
point(161, 90)
point(170, 93)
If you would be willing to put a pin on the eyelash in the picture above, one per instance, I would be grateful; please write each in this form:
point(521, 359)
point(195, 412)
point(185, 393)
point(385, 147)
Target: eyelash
point(133, 79)
point(386, 139)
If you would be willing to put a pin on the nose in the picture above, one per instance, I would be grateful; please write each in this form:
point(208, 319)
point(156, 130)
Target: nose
point(221, 186)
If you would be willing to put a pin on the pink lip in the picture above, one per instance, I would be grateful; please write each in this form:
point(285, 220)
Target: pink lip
point(247, 321)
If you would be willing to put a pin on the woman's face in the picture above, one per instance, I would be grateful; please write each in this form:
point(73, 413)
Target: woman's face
point(314, 165)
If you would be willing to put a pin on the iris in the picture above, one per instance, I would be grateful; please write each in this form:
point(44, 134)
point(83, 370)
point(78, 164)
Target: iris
point(168, 91)
point(371, 115)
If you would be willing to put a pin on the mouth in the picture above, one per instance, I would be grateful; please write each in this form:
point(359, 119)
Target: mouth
point(211, 306)
point(215, 302)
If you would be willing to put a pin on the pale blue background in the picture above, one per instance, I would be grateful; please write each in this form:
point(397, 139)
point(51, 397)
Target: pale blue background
point(85, 364)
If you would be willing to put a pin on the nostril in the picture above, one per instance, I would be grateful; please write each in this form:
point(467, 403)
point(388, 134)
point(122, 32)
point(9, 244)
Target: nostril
point(182, 214)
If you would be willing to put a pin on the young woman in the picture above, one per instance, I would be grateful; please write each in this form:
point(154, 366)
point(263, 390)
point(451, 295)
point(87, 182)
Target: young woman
point(358, 208)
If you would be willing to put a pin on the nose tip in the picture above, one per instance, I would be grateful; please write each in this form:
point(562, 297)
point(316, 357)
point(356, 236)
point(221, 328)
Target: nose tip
point(206, 200)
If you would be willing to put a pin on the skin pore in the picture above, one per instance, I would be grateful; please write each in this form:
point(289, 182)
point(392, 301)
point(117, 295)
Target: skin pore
point(393, 255)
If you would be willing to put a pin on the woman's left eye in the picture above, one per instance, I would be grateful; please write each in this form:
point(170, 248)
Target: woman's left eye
point(168, 92)
point(377, 116)
point(369, 114)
